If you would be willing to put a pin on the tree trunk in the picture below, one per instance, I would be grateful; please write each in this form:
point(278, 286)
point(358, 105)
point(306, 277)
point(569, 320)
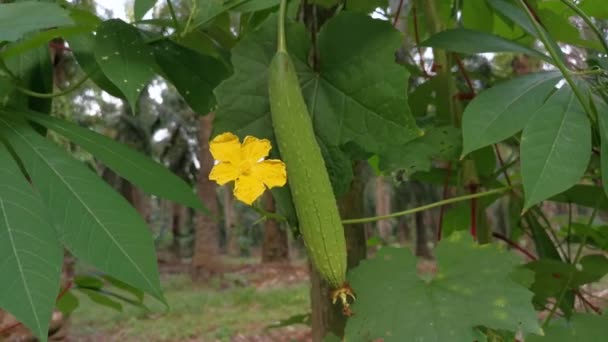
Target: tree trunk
point(328, 318)
point(275, 247)
point(230, 225)
point(205, 261)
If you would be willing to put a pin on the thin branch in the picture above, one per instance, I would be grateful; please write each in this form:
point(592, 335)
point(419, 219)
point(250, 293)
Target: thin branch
point(417, 38)
point(428, 206)
point(396, 19)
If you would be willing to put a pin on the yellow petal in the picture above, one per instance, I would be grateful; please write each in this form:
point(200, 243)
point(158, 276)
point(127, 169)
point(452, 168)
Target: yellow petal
point(272, 172)
point(247, 189)
point(255, 149)
point(223, 173)
point(226, 148)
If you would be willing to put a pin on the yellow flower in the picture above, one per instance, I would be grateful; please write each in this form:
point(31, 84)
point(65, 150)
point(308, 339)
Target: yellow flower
point(245, 165)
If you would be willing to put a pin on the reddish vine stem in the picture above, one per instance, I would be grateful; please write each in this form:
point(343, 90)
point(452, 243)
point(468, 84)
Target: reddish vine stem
point(534, 14)
point(514, 245)
point(531, 256)
point(465, 74)
point(417, 38)
point(396, 19)
point(472, 190)
point(502, 164)
point(18, 324)
point(446, 183)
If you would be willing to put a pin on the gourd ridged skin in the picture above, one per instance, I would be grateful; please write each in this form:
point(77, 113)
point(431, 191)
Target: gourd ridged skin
point(313, 197)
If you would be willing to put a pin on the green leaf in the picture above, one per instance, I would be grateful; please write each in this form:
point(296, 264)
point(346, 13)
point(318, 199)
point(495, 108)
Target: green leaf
point(89, 282)
point(472, 287)
point(124, 58)
point(477, 15)
point(100, 298)
point(42, 38)
point(367, 6)
point(503, 110)
point(437, 143)
point(67, 303)
point(35, 72)
point(368, 113)
point(126, 162)
point(141, 7)
point(553, 276)
point(581, 328)
point(17, 19)
point(468, 41)
point(135, 292)
point(83, 48)
point(585, 195)
point(513, 13)
point(255, 5)
point(97, 224)
point(555, 147)
point(29, 249)
point(207, 10)
point(601, 109)
point(194, 75)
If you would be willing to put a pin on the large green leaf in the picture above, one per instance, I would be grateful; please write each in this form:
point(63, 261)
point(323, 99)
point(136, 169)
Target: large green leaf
point(141, 7)
point(581, 328)
point(126, 162)
point(95, 223)
point(503, 110)
point(555, 147)
point(472, 287)
point(17, 19)
point(586, 195)
point(29, 249)
point(367, 114)
point(193, 74)
point(83, 48)
point(124, 57)
point(437, 143)
point(468, 41)
point(207, 10)
point(601, 110)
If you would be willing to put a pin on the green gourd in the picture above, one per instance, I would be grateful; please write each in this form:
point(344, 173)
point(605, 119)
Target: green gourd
point(313, 197)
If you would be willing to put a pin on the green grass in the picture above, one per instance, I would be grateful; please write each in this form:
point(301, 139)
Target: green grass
point(201, 312)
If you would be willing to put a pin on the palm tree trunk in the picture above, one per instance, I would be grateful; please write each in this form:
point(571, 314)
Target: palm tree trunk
point(205, 261)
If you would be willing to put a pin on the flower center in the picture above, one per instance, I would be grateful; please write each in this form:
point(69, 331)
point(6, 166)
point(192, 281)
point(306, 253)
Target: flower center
point(245, 167)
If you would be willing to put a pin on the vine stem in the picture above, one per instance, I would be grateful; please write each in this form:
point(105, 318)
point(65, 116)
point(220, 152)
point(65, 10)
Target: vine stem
point(558, 61)
point(428, 206)
point(417, 38)
point(63, 92)
point(173, 16)
point(574, 262)
point(589, 22)
point(398, 13)
point(282, 45)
